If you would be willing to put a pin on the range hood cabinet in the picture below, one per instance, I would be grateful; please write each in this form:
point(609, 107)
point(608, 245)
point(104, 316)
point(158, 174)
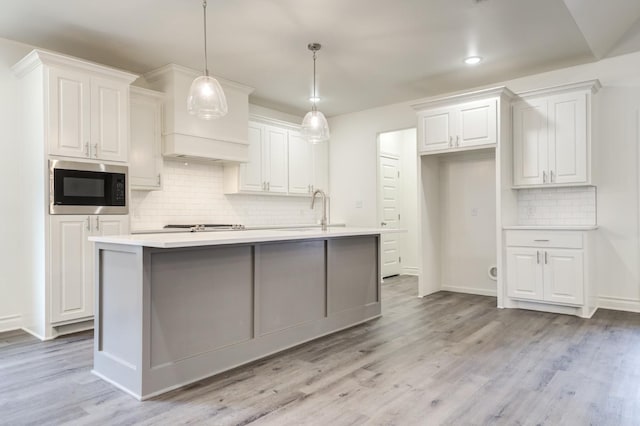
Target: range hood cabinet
point(186, 136)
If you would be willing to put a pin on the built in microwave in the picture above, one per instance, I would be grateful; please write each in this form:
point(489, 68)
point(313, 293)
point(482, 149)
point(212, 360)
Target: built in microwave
point(87, 188)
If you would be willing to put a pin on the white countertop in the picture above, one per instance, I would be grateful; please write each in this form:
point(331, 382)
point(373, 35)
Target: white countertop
point(195, 239)
point(552, 227)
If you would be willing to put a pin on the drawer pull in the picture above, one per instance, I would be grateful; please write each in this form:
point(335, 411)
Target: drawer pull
point(541, 241)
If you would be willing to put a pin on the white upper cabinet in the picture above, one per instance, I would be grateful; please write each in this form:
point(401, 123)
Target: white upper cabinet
point(145, 159)
point(275, 159)
point(109, 119)
point(300, 164)
point(460, 122)
point(251, 173)
point(86, 105)
point(552, 136)
point(438, 129)
point(69, 113)
point(281, 162)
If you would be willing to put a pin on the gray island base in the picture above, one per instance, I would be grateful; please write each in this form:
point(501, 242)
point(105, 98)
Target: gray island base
point(169, 315)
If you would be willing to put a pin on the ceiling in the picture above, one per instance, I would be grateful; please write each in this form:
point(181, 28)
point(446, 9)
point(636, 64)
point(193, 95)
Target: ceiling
point(375, 52)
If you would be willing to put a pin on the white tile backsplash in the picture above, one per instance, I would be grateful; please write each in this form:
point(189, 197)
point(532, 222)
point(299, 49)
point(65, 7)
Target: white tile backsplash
point(193, 193)
point(557, 206)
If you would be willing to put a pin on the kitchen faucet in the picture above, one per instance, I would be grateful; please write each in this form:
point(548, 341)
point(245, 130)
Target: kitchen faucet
point(323, 221)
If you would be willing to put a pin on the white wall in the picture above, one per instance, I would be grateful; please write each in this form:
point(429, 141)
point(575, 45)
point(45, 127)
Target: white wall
point(615, 164)
point(468, 221)
point(12, 224)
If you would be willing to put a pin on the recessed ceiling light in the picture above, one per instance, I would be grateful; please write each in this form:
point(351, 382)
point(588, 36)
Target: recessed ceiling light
point(473, 60)
point(312, 99)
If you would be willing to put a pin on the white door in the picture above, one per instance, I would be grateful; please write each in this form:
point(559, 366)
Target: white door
point(568, 138)
point(251, 173)
point(436, 128)
point(69, 113)
point(524, 273)
point(564, 276)
point(145, 160)
point(300, 164)
point(109, 120)
point(71, 269)
point(390, 214)
point(477, 123)
point(276, 159)
point(530, 145)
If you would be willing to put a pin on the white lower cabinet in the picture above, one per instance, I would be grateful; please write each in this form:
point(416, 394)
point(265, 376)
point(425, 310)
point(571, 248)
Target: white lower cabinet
point(72, 259)
point(550, 267)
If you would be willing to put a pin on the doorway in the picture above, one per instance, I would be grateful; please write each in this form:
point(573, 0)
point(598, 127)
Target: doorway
point(397, 201)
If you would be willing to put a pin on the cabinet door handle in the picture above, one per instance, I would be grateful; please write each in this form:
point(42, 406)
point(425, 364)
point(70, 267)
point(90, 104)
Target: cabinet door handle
point(544, 176)
point(159, 179)
point(450, 140)
point(97, 223)
point(88, 223)
point(551, 176)
point(542, 241)
point(538, 257)
point(95, 150)
point(545, 258)
point(311, 188)
point(86, 149)
point(457, 140)
point(268, 186)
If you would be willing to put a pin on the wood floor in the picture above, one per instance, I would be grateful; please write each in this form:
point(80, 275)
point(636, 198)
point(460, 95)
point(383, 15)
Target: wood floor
point(445, 359)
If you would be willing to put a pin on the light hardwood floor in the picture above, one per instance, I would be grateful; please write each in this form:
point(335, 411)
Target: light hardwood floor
point(445, 359)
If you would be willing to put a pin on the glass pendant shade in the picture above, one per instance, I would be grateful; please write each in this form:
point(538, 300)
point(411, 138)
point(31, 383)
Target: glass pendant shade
point(206, 98)
point(315, 127)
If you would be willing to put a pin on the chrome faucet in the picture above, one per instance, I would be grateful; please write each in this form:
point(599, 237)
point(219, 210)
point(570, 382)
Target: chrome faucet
point(323, 221)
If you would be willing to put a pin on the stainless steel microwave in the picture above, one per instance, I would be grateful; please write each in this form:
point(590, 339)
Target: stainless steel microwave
point(87, 188)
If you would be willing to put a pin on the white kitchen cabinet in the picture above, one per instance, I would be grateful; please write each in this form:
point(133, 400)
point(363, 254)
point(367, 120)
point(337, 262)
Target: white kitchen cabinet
point(72, 260)
point(85, 105)
point(308, 165)
point(266, 170)
point(87, 116)
point(550, 268)
point(275, 158)
point(551, 136)
point(145, 160)
point(459, 126)
point(281, 162)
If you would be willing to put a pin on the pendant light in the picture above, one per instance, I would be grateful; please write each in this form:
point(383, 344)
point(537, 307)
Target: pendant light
point(206, 97)
point(314, 125)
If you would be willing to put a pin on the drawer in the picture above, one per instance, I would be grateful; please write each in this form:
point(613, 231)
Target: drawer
point(559, 239)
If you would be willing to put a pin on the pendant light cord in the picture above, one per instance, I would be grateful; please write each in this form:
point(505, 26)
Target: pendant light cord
point(313, 106)
point(204, 13)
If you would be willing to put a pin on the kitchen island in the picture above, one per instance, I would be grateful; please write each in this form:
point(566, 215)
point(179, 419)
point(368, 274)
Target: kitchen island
point(172, 309)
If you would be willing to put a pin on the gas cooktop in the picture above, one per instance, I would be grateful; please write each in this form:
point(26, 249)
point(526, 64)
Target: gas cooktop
point(207, 227)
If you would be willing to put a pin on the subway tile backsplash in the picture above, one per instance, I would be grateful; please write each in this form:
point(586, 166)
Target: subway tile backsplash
point(557, 206)
point(193, 193)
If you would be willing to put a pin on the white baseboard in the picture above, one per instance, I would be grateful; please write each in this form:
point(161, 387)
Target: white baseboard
point(10, 322)
point(619, 304)
point(470, 290)
point(410, 270)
